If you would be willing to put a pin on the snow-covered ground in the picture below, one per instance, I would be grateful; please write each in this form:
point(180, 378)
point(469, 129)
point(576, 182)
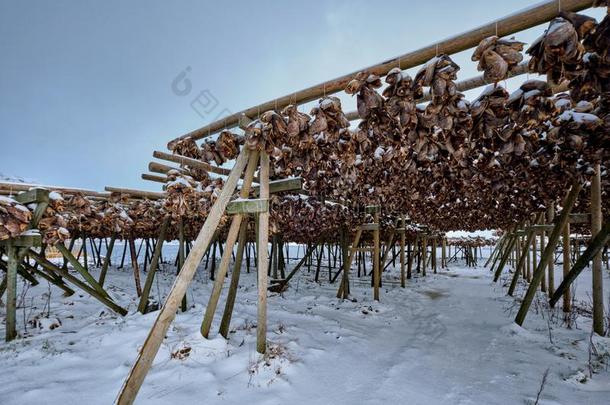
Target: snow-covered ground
point(445, 339)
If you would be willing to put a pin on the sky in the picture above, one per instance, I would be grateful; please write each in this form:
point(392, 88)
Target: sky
point(89, 89)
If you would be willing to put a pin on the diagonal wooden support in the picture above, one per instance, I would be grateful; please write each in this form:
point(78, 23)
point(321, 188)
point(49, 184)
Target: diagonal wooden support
point(560, 223)
point(147, 353)
point(230, 242)
point(104, 299)
point(282, 283)
point(521, 261)
point(595, 246)
point(78, 267)
point(232, 293)
point(109, 249)
point(154, 264)
point(510, 244)
point(353, 250)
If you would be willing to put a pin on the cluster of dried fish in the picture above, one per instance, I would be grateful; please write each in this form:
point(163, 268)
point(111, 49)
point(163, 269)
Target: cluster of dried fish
point(558, 52)
point(497, 57)
point(14, 218)
point(471, 241)
point(53, 225)
point(307, 220)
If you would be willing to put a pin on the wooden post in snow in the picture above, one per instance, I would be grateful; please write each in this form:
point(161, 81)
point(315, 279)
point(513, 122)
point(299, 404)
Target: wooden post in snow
point(596, 268)
point(154, 264)
point(109, 249)
point(232, 293)
point(11, 292)
point(147, 353)
point(566, 266)
point(226, 256)
point(402, 250)
point(263, 240)
point(134, 265)
point(550, 217)
point(547, 255)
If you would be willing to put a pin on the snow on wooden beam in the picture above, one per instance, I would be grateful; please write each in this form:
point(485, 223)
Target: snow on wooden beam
point(10, 187)
point(153, 195)
point(155, 178)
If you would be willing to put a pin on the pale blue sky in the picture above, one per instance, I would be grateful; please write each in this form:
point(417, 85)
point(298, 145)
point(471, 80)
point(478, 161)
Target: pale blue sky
point(85, 86)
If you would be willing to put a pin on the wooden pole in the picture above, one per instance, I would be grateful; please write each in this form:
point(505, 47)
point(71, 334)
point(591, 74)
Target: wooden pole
point(402, 251)
point(225, 323)
point(263, 240)
point(548, 252)
point(522, 258)
point(443, 253)
point(167, 313)
point(11, 293)
point(566, 267)
point(103, 298)
point(424, 247)
point(596, 268)
point(226, 256)
point(134, 265)
point(376, 265)
point(550, 217)
point(109, 249)
point(433, 247)
point(508, 248)
point(343, 291)
point(519, 21)
point(154, 263)
point(596, 245)
point(181, 258)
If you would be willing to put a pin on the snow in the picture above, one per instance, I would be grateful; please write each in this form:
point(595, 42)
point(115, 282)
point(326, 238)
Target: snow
point(8, 200)
point(55, 196)
point(581, 118)
point(446, 338)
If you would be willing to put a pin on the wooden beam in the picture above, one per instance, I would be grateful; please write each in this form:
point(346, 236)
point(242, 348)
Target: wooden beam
point(10, 187)
point(263, 241)
point(34, 195)
point(547, 255)
point(155, 178)
point(597, 288)
point(152, 195)
point(167, 313)
point(11, 292)
point(104, 299)
point(580, 218)
point(194, 163)
point(596, 245)
point(26, 239)
point(283, 185)
point(519, 21)
point(248, 206)
point(232, 235)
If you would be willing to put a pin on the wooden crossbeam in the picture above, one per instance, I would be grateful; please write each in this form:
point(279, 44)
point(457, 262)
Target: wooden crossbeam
point(580, 218)
point(167, 313)
point(27, 239)
point(560, 223)
point(155, 178)
point(248, 206)
point(595, 246)
point(283, 185)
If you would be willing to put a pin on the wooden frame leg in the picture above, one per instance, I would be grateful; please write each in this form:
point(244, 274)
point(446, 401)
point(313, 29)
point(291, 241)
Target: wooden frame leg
point(263, 241)
point(147, 353)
